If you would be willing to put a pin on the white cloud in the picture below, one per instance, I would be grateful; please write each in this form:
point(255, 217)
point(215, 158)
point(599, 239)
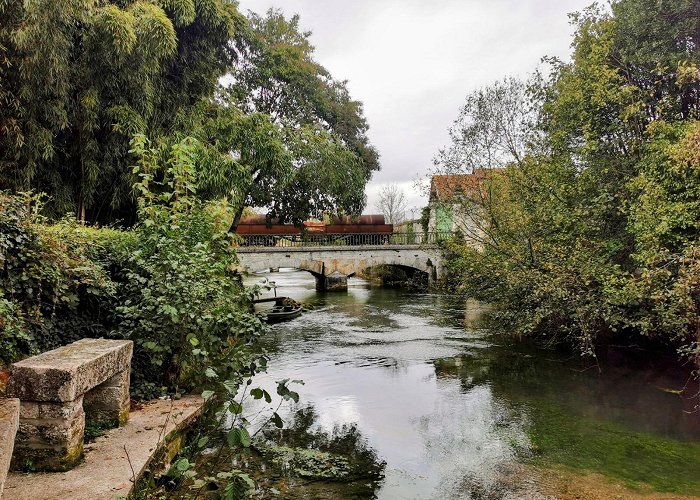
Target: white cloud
point(412, 62)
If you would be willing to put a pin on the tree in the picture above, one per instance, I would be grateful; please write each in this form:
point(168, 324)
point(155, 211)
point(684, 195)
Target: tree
point(591, 230)
point(392, 203)
point(243, 158)
point(11, 136)
point(84, 78)
point(491, 130)
point(307, 152)
point(80, 81)
point(292, 172)
point(664, 218)
point(495, 127)
point(327, 178)
point(276, 74)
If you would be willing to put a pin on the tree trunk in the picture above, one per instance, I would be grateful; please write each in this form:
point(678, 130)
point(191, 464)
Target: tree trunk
point(236, 220)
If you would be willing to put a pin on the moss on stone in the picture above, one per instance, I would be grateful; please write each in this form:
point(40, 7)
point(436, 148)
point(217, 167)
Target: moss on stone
point(25, 460)
point(123, 416)
point(72, 458)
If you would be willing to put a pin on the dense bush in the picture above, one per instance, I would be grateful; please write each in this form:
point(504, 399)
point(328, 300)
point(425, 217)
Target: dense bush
point(167, 284)
point(557, 272)
point(54, 281)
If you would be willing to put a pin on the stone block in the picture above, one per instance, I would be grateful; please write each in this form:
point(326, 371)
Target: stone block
point(50, 438)
point(9, 422)
point(53, 388)
point(108, 403)
point(58, 459)
point(31, 410)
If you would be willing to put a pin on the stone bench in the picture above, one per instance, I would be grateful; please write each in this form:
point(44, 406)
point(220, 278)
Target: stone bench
point(58, 390)
point(9, 420)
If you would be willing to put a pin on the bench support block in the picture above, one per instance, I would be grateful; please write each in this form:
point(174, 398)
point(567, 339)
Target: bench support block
point(108, 403)
point(50, 436)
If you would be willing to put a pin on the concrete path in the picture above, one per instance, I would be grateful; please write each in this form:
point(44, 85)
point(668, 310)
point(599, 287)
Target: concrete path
point(106, 472)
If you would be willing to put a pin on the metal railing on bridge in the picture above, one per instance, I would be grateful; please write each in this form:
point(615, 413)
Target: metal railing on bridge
point(350, 239)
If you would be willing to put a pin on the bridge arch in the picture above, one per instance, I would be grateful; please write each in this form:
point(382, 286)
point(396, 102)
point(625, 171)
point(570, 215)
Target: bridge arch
point(338, 263)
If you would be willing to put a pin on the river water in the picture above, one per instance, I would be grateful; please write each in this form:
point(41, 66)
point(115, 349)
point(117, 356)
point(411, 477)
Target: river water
point(452, 411)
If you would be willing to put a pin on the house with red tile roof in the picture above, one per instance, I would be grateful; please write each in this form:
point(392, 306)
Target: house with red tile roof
point(455, 202)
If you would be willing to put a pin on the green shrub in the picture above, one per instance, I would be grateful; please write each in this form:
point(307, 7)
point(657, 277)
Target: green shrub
point(52, 289)
point(181, 304)
point(167, 284)
point(14, 338)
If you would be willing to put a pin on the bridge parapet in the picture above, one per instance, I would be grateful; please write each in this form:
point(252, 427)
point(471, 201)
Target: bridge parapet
point(332, 248)
point(311, 239)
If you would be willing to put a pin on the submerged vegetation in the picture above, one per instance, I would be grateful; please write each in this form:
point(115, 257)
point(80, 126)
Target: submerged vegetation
point(587, 226)
point(300, 461)
point(573, 418)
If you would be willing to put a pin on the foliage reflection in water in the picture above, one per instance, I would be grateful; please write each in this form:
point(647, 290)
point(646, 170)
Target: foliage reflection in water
point(457, 413)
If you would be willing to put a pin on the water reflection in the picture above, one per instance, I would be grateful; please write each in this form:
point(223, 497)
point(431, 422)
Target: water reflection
point(453, 413)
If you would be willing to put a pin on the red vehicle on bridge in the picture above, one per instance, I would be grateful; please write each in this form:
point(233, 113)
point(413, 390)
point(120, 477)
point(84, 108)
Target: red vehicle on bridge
point(256, 230)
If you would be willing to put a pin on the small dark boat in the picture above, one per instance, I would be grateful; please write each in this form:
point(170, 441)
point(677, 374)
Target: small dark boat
point(284, 309)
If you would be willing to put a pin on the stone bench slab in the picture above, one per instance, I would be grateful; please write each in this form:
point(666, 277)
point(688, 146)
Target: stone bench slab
point(9, 421)
point(68, 372)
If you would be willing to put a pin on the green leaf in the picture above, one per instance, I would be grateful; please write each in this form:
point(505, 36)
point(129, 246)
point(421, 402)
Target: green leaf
point(207, 394)
point(233, 438)
point(245, 437)
point(247, 480)
point(231, 386)
point(182, 465)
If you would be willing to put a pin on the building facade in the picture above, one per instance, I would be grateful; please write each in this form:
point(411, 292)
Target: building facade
point(456, 203)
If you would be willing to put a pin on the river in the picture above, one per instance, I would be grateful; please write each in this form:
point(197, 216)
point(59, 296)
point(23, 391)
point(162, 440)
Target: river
point(451, 411)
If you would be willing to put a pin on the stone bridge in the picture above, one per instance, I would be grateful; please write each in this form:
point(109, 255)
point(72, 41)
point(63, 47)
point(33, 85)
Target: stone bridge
point(332, 265)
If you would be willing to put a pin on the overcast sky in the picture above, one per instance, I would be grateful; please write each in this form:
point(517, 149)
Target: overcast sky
point(412, 62)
